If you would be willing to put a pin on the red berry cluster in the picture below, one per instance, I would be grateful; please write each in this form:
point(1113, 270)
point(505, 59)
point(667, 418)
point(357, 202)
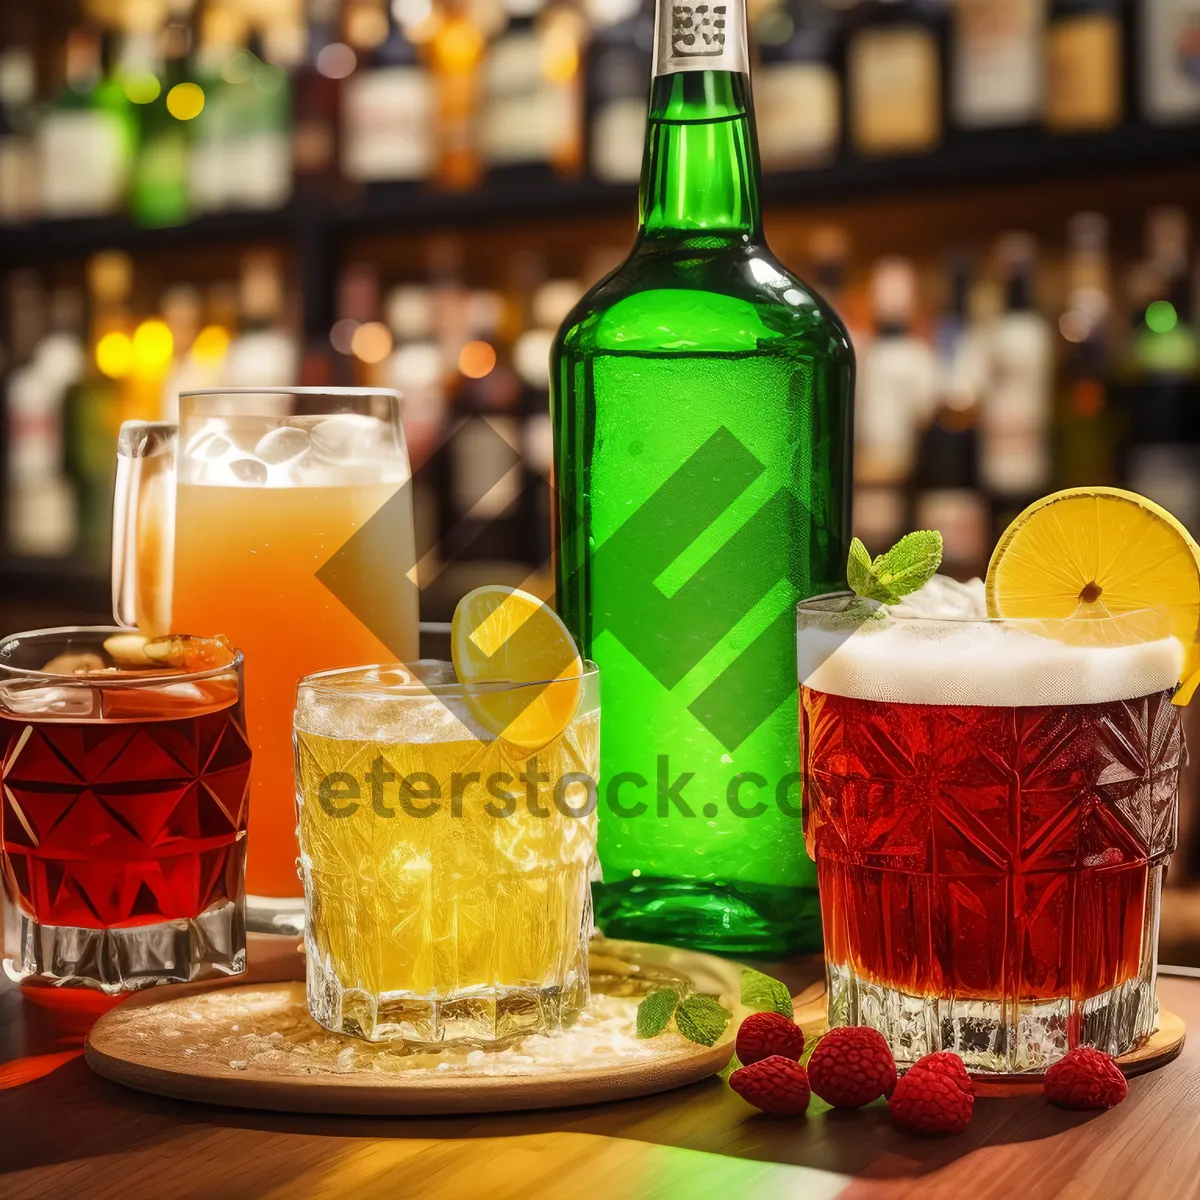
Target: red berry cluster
point(851, 1066)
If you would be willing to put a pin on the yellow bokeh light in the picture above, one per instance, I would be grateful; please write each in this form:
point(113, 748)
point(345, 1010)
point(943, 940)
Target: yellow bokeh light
point(372, 342)
point(476, 359)
point(153, 348)
point(185, 101)
point(114, 354)
point(142, 87)
point(211, 345)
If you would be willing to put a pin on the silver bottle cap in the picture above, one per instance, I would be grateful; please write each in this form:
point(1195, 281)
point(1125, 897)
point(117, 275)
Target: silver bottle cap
point(698, 35)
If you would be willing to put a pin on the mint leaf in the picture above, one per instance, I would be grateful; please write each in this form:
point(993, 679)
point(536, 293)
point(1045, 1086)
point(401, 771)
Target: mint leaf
point(910, 563)
point(763, 993)
point(905, 568)
point(858, 568)
point(810, 1044)
point(701, 1019)
point(655, 1011)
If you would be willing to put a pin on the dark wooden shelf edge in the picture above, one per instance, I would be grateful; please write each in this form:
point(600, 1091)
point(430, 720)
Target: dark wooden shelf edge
point(36, 580)
point(989, 159)
point(996, 159)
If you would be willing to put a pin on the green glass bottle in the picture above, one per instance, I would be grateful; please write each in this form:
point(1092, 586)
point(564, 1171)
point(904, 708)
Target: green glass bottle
point(701, 399)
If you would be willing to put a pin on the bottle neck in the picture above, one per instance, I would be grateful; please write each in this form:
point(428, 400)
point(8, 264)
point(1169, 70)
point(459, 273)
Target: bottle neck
point(700, 169)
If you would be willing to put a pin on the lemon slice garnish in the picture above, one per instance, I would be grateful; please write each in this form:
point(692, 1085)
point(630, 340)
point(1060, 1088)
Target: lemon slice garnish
point(502, 636)
point(1100, 552)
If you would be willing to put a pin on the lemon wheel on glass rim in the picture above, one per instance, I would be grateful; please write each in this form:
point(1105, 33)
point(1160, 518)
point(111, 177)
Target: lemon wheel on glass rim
point(502, 635)
point(1100, 551)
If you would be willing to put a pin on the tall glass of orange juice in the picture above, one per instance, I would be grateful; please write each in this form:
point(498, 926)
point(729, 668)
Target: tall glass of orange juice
point(282, 519)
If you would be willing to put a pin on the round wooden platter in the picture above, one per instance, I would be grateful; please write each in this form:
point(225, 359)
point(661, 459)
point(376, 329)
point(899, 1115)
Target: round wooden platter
point(1160, 1048)
point(190, 1043)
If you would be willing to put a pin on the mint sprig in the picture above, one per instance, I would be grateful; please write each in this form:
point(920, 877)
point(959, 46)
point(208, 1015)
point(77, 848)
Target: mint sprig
point(702, 1019)
point(764, 994)
point(906, 567)
point(655, 1012)
point(699, 1018)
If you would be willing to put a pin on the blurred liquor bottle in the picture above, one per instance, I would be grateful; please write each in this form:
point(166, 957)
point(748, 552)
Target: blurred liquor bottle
point(199, 360)
point(481, 513)
point(897, 388)
point(996, 64)
point(154, 64)
point(829, 253)
point(86, 139)
point(182, 308)
point(456, 53)
point(357, 305)
point(532, 110)
point(260, 146)
point(619, 60)
point(958, 342)
point(19, 199)
point(264, 353)
point(946, 492)
point(387, 103)
point(25, 309)
point(1089, 424)
point(893, 76)
point(241, 147)
point(1084, 72)
point(93, 409)
point(1170, 61)
point(417, 369)
point(1159, 377)
point(214, 164)
point(548, 306)
point(1017, 401)
point(46, 342)
point(797, 88)
point(317, 101)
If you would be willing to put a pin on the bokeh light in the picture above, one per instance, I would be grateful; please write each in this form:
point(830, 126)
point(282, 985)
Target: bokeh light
point(239, 67)
point(371, 342)
point(269, 78)
point(185, 101)
point(1161, 316)
point(476, 359)
point(153, 349)
point(211, 345)
point(336, 60)
point(114, 354)
point(341, 336)
point(1074, 326)
point(142, 87)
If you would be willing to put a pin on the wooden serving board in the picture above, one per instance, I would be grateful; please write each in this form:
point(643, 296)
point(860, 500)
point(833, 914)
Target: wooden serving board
point(253, 1045)
point(1164, 1045)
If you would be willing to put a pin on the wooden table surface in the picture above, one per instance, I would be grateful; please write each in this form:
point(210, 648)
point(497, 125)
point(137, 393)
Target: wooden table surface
point(67, 1133)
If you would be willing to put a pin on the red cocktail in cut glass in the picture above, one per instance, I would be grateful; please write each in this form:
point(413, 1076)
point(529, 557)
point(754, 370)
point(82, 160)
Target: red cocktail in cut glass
point(991, 805)
point(124, 812)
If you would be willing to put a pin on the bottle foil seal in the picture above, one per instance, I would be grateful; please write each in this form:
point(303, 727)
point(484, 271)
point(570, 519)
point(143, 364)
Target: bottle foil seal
point(693, 35)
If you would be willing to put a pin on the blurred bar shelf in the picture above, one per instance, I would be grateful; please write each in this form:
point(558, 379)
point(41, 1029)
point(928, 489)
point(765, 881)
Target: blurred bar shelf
point(39, 242)
point(56, 581)
point(1001, 158)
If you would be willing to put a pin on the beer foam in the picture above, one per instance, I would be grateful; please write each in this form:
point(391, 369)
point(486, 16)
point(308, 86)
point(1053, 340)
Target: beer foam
point(931, 650)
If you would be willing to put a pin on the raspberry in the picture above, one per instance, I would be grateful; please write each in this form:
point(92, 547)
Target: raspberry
point(777, 1085)
point(949, 1063)
point(934, 1096)
point(852, 1066)
point(1085, 1078)
point(765, 1033)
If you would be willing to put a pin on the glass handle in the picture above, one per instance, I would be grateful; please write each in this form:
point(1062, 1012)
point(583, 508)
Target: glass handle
point(143, 550)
